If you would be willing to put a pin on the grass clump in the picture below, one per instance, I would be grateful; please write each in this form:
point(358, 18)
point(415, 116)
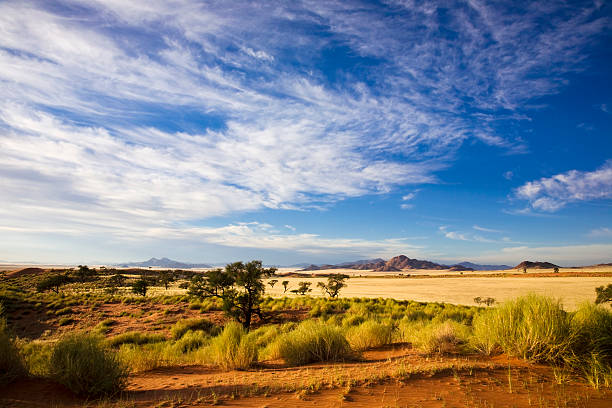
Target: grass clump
point(183, 326)
point(369, 334)
point(11, 363)
point(436, 337)
point(135, 337)
point(84, 365)
point(191, 341)
point(233, 349)
point(532, 327)
point(312, 342)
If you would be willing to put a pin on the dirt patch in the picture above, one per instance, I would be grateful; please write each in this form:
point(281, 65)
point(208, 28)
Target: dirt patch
point(389, 377)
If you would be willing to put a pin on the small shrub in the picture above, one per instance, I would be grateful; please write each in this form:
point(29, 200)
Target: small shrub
point(532, 327)
point(11, 364)
point(134, 337)
point(192, 340)
point(312, 342)
point(438, 337)
point(183, 326)
point(83, 364)
point(37, 357)
point(369, 334)
point(233, 348)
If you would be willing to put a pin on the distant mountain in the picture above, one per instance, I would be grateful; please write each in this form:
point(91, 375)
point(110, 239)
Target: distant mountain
point(478, 267)
point(535, 265)
point(394, 264)
point(163, 263)
point(402, 262)
point(361, 262)
point(299, 265)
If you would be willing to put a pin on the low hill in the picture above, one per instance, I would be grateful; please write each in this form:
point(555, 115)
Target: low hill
point(478, 267)
point(535, 265)
point(163, 263)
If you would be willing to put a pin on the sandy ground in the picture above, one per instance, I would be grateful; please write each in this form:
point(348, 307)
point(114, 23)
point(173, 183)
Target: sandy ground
point(571, 290)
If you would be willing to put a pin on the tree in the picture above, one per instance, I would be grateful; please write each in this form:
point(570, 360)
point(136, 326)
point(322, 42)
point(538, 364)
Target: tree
point(487, 301)
point(84, 274)
point(604, 294)
point(140, 287)
point(53, 283)
point(114, 282)
point(166, 278)
point(556, 269)
point(240, 286)
point(303, 288)
point(335, 282)
point(285, 284)
point(272, 282)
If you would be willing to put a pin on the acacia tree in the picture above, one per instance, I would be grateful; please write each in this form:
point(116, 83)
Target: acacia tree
point(240, 286)
point(53, 283)
point(140, 287)
point(272, 282)
point(165, 278)
point(335, 282)
point(285, 284)
point(303, 288)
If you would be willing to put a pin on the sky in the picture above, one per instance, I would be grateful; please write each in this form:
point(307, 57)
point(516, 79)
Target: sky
point(305, 131)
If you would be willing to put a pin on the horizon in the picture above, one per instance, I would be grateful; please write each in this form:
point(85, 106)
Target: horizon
point(305, 132)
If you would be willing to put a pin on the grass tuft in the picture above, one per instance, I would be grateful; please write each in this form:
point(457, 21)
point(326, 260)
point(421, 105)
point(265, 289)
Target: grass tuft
point(233, 349)
point(83, 364)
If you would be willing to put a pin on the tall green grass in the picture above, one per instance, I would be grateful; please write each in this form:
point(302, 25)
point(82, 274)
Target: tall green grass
point(234, 348)
point(369, 334)
point(11, 363)
point(532, 327)
point(446, 336)
point(135, 337)
point(312, 342)
point(183, 326)
point(83, 364)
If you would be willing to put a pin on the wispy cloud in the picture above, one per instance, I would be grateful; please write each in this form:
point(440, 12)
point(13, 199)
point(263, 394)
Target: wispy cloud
point(553, 193)
point(602, 232)
point(479, 228)
point(148, 114)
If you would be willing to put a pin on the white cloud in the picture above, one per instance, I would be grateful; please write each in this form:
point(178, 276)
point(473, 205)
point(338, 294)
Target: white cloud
point(565, 255)
point(479, 228)
point(602, 232)
point(508, 175)
point(407, 206)
point(290, 227)
point(553, 193)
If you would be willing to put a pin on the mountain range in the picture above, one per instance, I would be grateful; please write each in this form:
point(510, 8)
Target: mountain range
point(163, 263)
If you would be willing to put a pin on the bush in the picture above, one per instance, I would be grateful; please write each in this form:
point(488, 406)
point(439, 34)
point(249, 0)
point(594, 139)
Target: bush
point(436, 337)
point(37, 356)
point(233, 348)
point(192, 340)
point(11, 364)
point(312, 342)
point(183, 326)
point(532, 327)
point(85, 366)
point(135, 338)
point(369, 334)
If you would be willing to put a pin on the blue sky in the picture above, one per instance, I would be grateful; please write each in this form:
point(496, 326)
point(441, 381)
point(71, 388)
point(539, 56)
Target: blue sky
point(305, 131)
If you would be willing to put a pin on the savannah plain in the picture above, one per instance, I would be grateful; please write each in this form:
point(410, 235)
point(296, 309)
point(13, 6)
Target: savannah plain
point(415, 338)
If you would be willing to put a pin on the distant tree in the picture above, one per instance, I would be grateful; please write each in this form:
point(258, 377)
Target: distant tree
point(84, 273)
point(303, 288)
point(487, 301)
point(140, 287)
point(285, 284)
point(524, 269)
point(240, 286)
point(556, 270)
point(604, 294)
point(165, 278)
point(53, 283)
point(335, 282)
point(114, 282)
point(272, 282)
